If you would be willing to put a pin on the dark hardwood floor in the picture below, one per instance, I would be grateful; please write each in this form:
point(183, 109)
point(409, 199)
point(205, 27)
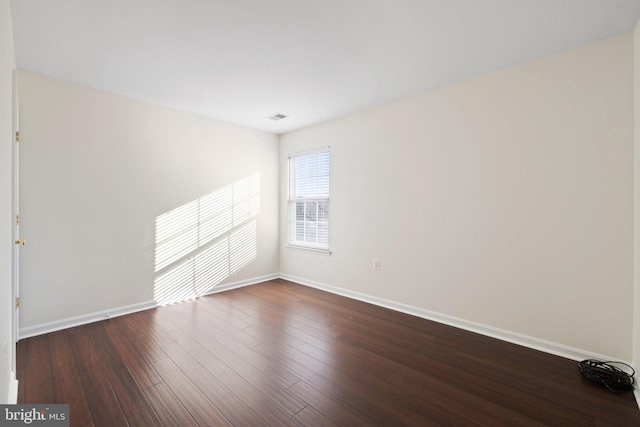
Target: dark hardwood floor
point(282, 354)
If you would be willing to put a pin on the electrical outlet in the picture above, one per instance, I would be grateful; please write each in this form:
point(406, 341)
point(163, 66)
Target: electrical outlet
point(376, 264)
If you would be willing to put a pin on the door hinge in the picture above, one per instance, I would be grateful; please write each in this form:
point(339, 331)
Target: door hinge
point(18, 302)
point(17, 136)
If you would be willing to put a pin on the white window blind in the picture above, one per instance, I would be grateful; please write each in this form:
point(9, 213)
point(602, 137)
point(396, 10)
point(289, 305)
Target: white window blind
point(309, 199)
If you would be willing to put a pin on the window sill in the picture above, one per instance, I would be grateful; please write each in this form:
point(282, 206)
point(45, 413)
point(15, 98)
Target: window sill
point(325, 252)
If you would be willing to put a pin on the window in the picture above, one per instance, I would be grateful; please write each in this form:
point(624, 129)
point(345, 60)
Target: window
point(309, 199)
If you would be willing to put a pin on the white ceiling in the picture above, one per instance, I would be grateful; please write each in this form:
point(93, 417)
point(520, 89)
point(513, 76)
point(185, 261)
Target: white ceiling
point(243, 60)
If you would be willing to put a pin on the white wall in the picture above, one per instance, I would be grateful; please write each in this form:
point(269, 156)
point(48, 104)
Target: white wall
point(97, 169)
point(636, 157)
point(7, 64)
point(505, 200)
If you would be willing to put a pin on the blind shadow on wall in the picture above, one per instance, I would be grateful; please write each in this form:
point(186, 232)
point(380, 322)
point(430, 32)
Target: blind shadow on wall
point(205, 241)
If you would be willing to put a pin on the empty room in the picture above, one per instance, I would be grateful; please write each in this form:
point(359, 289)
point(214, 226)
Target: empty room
point(284, 212)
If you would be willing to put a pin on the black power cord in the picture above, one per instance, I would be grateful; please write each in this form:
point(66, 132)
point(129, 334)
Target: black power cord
point(606, 373)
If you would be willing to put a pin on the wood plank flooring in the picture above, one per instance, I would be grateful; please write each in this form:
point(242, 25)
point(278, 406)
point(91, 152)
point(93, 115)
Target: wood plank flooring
point(281, 354)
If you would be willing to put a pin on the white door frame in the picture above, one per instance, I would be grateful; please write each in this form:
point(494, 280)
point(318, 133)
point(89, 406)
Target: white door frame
point(15, 149)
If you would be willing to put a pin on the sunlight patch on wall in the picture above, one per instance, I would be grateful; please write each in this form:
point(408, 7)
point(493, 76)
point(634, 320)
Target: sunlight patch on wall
point(201, 243)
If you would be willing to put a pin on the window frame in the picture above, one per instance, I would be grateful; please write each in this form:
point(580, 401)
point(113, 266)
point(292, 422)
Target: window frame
point(293, 202)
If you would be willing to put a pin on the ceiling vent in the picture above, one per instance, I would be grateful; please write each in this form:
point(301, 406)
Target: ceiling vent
point(277, 116)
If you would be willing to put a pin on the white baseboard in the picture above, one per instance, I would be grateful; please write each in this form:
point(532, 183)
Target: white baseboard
point(501, 334)
point(13, 389)
point(57, 325)
point(242, 283)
